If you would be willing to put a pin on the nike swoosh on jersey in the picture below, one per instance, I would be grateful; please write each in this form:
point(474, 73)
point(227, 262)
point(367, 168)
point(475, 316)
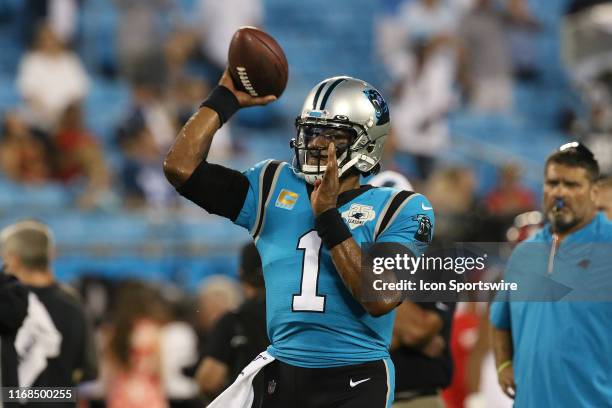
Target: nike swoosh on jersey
point(356, 383)
point(425, 208)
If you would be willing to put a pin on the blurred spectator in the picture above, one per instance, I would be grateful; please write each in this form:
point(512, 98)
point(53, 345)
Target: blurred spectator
point(524, 226)
point(179, 356)
point(149, 108)
point(452, 193)
point(141, 176)
point(509, 198)
point(217, 22)
point(425, 98)
point(416, 23)
point(23, 156)
point(63, 18)
point(139, 35)
point(78, 156)
point(218, 295)
point(489, 66)
point(238, 337)
point(522, 31)
point(61, 15)
point(586, 38)
point(604, 196)
point(178, 48)
point(597, 131)
point(474, 381)
point(463, 340)
point(134, 377)
point(184, 92)
point(50, 78)
point(185, 96)
point(425, 19)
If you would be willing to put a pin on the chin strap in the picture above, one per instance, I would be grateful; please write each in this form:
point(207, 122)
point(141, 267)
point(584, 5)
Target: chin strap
point(310, 178)
point(309, 172)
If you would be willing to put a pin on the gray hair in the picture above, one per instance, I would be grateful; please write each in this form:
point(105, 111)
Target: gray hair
point(30, 241)
point(221, 287)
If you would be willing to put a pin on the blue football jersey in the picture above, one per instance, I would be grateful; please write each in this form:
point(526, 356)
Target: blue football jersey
point(312, 319)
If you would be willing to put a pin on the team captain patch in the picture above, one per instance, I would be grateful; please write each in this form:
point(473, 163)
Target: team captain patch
point(286, 199)
point(358, 215)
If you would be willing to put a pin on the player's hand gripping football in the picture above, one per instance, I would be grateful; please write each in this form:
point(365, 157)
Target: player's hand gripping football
point(244, 98)
point(325, 193)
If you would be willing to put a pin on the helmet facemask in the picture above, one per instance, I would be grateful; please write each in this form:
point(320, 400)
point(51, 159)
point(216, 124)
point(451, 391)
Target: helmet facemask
point(311, 145)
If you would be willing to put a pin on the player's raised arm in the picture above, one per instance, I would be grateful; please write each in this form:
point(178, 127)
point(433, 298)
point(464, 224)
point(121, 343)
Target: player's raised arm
point(193, 142)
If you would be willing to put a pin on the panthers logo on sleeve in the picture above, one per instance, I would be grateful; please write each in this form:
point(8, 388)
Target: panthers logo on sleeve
point(423, 234)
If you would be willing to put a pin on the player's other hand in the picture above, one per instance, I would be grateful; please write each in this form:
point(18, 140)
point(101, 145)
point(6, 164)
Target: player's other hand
point(506, 381)
point(244, 98)
point(325, 193)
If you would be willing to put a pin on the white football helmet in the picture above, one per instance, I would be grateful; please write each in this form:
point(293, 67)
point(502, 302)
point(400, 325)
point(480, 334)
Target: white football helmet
point(347, 105)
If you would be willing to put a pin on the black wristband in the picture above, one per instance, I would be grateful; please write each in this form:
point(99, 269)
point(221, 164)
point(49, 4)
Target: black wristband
point(331, 228)
point(222, 101)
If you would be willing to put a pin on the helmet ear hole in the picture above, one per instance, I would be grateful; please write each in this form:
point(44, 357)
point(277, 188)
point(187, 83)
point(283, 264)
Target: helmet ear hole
point(370, 148)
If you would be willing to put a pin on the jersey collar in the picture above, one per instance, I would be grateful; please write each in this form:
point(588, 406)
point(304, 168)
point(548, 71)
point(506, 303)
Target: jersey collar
point(588, 233)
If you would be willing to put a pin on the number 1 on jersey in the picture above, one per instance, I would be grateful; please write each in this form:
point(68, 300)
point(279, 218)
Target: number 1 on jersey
point(308, 300)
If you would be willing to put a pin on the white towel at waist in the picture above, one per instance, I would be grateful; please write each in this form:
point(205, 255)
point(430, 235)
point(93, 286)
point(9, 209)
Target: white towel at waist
point(240, 393)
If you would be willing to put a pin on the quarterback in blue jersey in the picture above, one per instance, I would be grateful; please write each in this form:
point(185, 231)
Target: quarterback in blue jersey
point(309, 219)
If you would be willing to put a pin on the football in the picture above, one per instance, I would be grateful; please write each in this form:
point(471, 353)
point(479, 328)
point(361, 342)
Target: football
point(257, 63)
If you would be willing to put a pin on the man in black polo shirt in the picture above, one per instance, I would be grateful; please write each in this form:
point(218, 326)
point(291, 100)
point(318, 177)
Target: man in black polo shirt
point(421, 354)
point(239, 336)
point(53, 346)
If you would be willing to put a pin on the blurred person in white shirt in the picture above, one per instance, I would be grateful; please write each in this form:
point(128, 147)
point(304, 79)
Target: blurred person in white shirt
point(488, 59)
point(425, 98)
point(218, 20)
point(50, 78)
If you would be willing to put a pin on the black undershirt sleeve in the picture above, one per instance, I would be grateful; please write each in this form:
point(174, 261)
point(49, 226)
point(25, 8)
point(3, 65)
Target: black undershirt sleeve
point(217, 189)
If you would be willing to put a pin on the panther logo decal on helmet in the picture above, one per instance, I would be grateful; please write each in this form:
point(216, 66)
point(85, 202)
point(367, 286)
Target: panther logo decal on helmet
point(382, 109)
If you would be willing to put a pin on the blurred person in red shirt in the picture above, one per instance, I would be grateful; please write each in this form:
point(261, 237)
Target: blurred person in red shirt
point(77, 155)
point(23, 155)
point(509, 197)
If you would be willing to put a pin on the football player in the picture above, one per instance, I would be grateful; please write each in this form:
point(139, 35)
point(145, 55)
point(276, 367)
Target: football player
point(308, 219)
